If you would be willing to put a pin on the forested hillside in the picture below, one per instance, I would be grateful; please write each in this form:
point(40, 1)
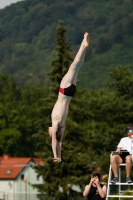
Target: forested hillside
point(27, 37)
point(97, 118)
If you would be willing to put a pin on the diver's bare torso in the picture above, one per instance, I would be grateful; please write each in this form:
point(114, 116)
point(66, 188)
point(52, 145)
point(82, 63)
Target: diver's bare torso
point(60, 110)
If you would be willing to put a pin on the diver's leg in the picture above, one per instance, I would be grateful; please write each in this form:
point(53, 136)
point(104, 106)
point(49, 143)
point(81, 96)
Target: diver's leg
point(71, 76)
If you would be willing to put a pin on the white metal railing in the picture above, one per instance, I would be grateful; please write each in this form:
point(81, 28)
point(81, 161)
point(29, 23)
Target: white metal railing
point(121, 194)
point(20, 195)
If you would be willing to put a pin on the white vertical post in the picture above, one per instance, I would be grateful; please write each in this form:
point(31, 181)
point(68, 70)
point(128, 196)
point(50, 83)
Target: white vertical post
point(119, 181)
point(109, 179)
point(6, 196)
point(132, 149)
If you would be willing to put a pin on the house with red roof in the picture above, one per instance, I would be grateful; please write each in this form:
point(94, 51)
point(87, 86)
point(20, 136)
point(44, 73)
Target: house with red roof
point(16, 177)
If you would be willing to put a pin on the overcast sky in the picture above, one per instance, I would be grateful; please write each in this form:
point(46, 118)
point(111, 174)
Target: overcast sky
point(4, 3)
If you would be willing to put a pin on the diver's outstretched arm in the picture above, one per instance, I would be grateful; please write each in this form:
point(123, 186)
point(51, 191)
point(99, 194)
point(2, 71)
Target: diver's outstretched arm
point(59, 144)
point(58, 158)
point(52, 133)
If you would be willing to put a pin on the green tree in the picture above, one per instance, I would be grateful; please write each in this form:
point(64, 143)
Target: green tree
point(62, 60)
point(114, 113)
point(123, 81)
point(33, 23)
point(60, 177)
point(20, 117)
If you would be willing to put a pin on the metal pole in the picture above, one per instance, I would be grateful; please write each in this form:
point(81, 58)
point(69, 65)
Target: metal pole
point(119, 180)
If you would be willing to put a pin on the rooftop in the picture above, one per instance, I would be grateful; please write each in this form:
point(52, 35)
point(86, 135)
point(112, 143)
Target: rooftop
point(11, 167)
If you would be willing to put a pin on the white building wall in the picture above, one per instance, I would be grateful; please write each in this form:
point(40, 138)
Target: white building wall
point(5, 186)
point(30, 177)
point(21, 189)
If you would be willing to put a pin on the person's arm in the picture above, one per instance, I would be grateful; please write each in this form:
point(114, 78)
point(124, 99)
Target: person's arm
point(59, 145)
point(119, 146)
point(118, 149)
point(52, 134)
point(87, 188)
point(101, 190)
point(54, 146)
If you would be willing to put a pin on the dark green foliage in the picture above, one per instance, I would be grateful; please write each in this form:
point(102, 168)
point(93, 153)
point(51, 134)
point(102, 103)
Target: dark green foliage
point(97, 119)
point(19, 117)
point(73, 170)
point(73, 167)
point(62, 60)
point(123, 83)
point(27, 38)
point(95, 124)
